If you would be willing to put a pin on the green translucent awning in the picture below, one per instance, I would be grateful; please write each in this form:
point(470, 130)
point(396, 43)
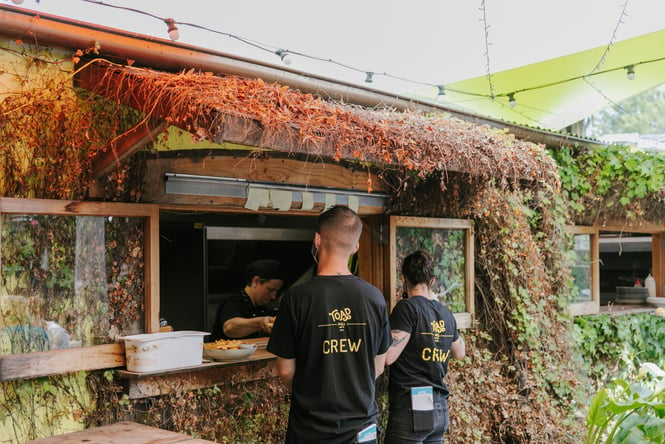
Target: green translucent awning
point(555, 93)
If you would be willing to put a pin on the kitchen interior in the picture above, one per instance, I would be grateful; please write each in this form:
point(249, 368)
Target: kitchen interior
point(625, 267)
point(203, 257)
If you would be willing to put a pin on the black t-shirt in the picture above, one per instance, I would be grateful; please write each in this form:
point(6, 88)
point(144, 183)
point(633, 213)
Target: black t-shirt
point(333, 326)
point(424, 360)
point(239, 306)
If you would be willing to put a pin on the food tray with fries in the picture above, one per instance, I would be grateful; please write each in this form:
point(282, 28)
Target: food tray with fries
point(228, 350)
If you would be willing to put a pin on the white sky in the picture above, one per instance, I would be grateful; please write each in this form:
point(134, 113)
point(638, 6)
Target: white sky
point(427, 41)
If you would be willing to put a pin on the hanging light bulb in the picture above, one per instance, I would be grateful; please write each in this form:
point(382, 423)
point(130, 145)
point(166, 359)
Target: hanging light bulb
point(441, 94)
point(368, 77)
point(284, 55)
point(630, 72)
point(511, 100)
point(174, 34)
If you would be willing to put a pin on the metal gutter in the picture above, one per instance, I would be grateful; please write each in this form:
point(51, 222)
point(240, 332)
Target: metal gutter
point(51, 30)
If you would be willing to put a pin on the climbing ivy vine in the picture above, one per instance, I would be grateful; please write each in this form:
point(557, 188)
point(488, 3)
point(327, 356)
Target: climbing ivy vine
point(612, 182)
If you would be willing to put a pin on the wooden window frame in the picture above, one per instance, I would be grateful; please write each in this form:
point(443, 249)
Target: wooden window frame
point(464, 319)
point(592, 306)
point(38, 364)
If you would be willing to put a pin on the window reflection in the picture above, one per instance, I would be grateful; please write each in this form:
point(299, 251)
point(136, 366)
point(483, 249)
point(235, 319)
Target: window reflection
point(69, 281)
point(447, 247)
point(581, 271)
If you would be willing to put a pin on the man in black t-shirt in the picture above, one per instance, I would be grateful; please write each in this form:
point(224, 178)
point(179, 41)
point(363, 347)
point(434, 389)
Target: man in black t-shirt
point(330, 338)
point(425, 337)
point(245, 315)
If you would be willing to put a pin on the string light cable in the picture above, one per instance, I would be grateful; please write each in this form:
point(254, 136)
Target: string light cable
point(620, 108)
point(583, 76)
point(282, 53)
point(620, 22)
point(371, 75)
point(486, 27)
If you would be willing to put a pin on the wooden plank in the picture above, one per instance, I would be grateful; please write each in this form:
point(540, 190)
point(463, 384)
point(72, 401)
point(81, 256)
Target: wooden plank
point(261, 365)
point(73, 208)
point(432, 222)
point(370, 255)
point(464, 320)
point(124, 146)
point(622, 226)
point(469, 284)
point(152, 272)
point(122, 433)
point(584, 308)
point(618, 309)
point(657, 263)
point(33, 365)
point(212, 204)
point(274, 169)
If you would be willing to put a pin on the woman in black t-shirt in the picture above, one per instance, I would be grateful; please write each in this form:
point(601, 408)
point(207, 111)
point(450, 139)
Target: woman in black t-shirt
point(425, 336)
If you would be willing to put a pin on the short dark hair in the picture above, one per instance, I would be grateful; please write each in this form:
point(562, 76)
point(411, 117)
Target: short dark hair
point(265, 269)
point(418, 268)
point(340, 228)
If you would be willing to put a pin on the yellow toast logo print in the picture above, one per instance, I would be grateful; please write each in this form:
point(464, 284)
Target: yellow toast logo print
point(340, 318)
point(338, 315)
point(435, 354)
point(438, 328)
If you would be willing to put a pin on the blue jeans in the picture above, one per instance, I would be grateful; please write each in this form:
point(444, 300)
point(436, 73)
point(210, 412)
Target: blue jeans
point(400, 426)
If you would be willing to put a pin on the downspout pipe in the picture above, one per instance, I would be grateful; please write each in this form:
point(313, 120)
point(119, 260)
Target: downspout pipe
point(51, 30)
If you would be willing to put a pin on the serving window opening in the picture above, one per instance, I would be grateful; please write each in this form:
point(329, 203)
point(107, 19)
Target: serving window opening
point(203, 258)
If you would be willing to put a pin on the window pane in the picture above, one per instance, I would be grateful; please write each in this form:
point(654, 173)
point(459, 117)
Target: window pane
point(581, 284)
point(447, 247)
point(69, 281)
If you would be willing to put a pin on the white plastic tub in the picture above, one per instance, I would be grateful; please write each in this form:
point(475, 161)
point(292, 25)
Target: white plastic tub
point(152, 352)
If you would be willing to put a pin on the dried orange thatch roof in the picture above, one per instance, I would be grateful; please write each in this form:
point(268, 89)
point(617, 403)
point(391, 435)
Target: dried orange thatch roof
point(252, 112)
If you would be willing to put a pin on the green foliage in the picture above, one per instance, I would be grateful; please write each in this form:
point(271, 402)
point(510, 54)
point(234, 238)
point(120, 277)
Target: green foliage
point(613, 181)
point(42, 407)
point(621, 343)
point(629, 411)
point(448, 250)
point(248, 412)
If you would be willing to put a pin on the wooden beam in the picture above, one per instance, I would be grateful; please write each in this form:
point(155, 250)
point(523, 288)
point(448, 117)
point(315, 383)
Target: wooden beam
point(206, 375)
point(34, 365)
point(16, 205)
point(123, 146)
point(274, 169)
point(151, 255)
point(314, 173)
point(657, 262)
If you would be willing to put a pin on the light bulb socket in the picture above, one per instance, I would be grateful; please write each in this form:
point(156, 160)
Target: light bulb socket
point(284, 56)
point(368, 77)
point(630, 72)
point(174, 34)
point(511, 100)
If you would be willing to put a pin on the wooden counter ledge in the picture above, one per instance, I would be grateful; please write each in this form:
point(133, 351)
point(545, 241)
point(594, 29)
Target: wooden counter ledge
point(260, 365)
point(125, 432)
